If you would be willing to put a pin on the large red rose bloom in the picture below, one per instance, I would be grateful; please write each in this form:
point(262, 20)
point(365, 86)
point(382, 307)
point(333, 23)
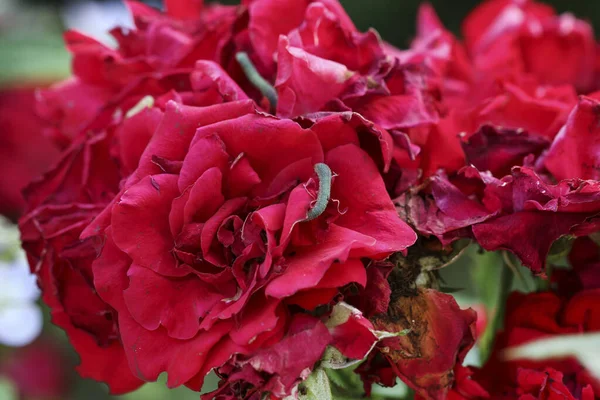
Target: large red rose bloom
point(208, 242)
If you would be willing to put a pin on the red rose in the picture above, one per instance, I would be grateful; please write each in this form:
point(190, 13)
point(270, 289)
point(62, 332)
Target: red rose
point(516, 37)
point(122, 94)
point(155, 58)
point(105, 117)
point(323, 63)
point(525, 111)
point(520, 213)
point(499, 150)
point(212, 228)
point(535, 316)
point(72, 194)
point(68, 198)
point(24, 152)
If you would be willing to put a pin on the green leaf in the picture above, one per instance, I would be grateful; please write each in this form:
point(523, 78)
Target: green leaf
point(560, 249)
point(345, 383)
point(498, 305)
point(486, 269)
point(316, 386)
point(7, 390)
point(450, 290)
point(334, 359)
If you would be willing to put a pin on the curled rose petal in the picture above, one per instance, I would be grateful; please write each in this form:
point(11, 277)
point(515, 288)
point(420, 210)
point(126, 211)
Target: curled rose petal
point(439, 336)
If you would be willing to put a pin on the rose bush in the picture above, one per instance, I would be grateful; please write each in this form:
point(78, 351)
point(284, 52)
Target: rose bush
point(130, 88)
point(226, 179)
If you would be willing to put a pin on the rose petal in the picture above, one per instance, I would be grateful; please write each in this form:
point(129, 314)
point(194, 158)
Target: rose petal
point(153, 195)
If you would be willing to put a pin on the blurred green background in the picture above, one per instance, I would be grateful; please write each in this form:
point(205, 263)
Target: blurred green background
point(31, 53)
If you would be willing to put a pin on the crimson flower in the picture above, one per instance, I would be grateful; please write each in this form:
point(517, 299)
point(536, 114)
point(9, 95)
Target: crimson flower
point(213, 239)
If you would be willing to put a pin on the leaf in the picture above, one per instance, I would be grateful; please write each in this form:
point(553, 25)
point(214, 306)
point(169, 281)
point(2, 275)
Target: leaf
point(316, 386)
point(486, 270)
point(584, 347)
point(345, 383)
point(430, 255)
point(560, 249)
point(450, 290)
point(334, 359)
point(486, 342)
point(7, 390)
point(384, 334)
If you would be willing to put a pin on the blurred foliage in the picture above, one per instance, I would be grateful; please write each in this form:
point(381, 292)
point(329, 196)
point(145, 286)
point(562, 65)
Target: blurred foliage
point(43, 58)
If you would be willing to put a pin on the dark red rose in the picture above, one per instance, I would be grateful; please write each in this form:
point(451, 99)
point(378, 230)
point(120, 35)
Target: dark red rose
point(60, 206)
point(541, 213)
point(448, 210)
point(208, 243)
point(534, 316)
point(498, 150)
point(24, 151)
point(521, 213)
